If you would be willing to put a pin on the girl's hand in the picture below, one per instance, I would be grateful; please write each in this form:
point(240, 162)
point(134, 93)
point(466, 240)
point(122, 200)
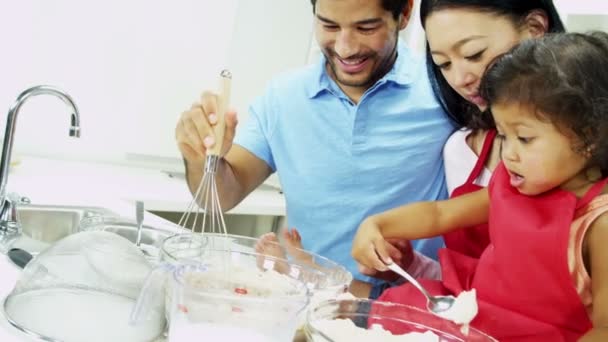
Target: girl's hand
point(400, 252)
point(369, 246)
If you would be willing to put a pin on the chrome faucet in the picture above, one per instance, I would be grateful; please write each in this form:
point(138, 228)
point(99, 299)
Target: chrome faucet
point(9, 225)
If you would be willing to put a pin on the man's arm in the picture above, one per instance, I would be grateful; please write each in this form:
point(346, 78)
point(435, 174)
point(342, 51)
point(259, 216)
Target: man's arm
point(238, 175)
point(239, 171)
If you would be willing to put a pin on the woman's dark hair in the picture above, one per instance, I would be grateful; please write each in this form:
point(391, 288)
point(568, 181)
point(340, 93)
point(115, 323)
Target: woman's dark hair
point(564, 79)
point(460, 110)
point(396, 7)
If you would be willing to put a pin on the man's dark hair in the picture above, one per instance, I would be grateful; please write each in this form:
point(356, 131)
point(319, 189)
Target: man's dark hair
point(396, 7)
point(564, 79)
point(461, 111)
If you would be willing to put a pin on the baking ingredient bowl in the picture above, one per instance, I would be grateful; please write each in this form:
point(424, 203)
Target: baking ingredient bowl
point(325, 278)
point(226, 295)
point(370, 320)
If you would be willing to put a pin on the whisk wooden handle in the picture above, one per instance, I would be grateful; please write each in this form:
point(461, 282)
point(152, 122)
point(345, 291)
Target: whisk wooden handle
point(223, 102)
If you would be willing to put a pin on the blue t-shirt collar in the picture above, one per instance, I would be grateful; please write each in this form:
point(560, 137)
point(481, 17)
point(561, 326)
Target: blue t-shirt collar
point(400, 74)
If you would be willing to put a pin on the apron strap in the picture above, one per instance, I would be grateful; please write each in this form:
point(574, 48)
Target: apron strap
point(483, 156)
point(595, 190)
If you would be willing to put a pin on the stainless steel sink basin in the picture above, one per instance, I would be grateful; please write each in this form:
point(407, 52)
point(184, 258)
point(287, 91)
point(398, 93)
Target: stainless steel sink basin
point(42, 225)
point(51, 223)
point(149, 235)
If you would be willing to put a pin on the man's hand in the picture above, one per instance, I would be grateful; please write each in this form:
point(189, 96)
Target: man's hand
point(194, 133)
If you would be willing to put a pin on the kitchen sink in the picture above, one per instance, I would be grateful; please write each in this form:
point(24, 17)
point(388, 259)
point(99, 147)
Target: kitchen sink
point(51, 223)
point(41, 225)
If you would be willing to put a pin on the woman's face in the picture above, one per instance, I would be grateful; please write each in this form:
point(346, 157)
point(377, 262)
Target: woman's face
point(464, 41)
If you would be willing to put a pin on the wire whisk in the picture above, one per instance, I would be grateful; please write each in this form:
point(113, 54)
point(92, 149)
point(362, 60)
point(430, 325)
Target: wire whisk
point(206, 200)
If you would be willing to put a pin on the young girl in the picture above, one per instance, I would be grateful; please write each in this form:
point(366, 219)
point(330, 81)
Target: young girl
point(544, 276)
point(463, 37)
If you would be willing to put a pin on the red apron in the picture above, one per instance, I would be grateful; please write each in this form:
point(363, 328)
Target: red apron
point(524, 288)
point(472, 241)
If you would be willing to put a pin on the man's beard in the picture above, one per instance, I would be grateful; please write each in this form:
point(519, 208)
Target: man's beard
point(377, 73)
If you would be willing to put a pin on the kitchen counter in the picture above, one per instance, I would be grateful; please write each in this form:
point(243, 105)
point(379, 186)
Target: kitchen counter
point(53, 181)
point(116, 188)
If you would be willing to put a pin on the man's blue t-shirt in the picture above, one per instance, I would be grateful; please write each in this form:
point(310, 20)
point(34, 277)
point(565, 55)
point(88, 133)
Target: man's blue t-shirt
point(339, 162)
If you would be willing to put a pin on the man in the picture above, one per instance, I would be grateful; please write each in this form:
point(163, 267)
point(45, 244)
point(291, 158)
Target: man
point(358, 133)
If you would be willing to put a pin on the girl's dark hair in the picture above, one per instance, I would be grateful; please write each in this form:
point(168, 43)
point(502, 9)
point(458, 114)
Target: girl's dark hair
point(396, 7)
point(460, 110)
point(564, 78)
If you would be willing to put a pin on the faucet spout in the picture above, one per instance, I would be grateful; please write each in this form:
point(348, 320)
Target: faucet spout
point(6, 205)
point(75, 124)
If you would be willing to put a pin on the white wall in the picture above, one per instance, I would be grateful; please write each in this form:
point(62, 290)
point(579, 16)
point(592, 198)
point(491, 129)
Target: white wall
point(133, 66)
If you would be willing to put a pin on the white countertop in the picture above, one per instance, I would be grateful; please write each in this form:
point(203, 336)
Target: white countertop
point(116, 188)
point(53, 181)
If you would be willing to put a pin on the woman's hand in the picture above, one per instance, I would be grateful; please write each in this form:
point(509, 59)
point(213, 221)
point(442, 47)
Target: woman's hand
point(369, 246)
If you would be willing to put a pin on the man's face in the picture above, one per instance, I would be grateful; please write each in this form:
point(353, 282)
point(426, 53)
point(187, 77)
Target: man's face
point(358, 38)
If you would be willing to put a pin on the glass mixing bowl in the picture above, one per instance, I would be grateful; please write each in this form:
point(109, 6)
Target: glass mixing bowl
point(327, 278)
point(354, 320)
point(226, 295)
point(324, 278)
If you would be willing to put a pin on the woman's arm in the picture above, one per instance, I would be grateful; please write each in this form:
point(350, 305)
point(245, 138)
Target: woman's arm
point(598, 259)
point(415, 221)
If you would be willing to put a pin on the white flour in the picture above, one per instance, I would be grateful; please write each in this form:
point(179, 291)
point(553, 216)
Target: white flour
point(183, 332)
point(237, 304)
point(74, 315)
point(344, 330)
point(244, 281)
point(463, 310)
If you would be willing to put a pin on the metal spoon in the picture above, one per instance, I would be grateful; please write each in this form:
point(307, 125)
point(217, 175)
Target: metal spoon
point(150, 252)
point(435, 304)
point(139, 216)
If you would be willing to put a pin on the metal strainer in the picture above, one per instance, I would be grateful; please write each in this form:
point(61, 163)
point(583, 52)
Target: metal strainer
point(82, 289)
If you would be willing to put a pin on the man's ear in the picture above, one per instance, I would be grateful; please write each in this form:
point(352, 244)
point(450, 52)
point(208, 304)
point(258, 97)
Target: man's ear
point(406, 14)
point(536, 24)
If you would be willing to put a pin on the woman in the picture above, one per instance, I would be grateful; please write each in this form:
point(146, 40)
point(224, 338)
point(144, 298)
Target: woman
point(463, 37)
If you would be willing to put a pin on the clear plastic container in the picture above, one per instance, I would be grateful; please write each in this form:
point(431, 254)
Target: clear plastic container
point(151, 237)
point(355, 320)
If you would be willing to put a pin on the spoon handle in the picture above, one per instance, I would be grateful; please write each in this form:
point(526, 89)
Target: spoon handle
point(397, 269)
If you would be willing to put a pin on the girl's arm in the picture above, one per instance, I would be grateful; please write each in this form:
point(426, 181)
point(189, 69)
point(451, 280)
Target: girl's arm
point(415, 221)
point(598, 259)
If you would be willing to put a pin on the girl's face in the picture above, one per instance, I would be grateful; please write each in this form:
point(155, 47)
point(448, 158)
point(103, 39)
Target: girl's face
point(538, 156)
point(464, 41)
